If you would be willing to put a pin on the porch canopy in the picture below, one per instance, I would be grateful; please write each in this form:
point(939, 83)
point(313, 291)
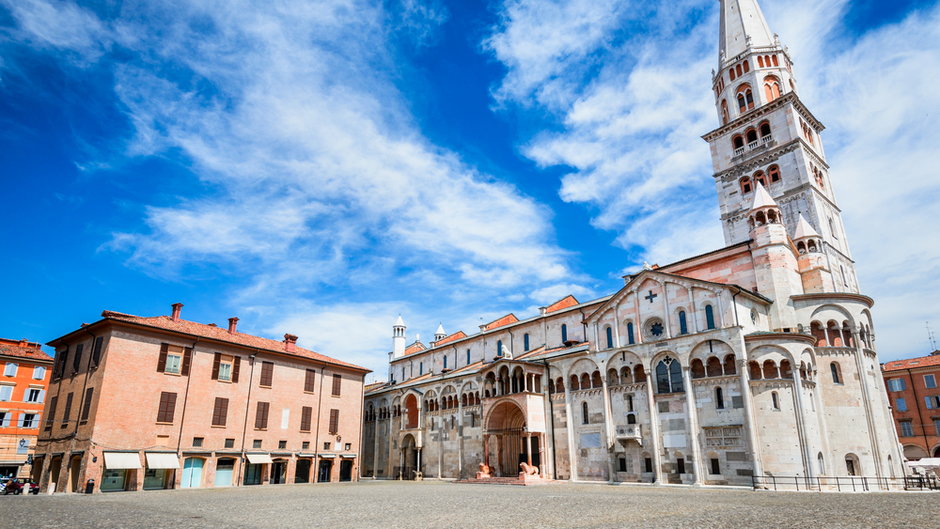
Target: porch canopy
point(158, 460)
point(121, 460)
point(258, 459)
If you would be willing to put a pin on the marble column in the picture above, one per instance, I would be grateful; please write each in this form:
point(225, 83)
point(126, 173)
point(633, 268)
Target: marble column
point(697, 463)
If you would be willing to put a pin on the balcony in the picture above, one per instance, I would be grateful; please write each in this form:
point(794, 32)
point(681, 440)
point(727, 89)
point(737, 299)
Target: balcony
point(629, 432)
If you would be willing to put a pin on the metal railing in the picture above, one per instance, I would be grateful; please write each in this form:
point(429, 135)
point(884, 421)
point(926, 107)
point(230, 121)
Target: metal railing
point(844, 483)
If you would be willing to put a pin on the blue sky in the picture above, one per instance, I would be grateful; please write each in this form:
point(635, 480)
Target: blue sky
point(319, 168)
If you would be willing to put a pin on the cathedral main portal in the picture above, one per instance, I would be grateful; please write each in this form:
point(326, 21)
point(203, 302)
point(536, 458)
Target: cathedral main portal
point(507, 442)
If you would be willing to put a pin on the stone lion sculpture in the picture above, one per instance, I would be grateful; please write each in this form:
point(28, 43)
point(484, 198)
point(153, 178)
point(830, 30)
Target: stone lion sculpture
point(529, 470)
point(485, 471)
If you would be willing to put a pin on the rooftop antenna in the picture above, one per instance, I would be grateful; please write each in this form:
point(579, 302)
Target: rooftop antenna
point(931, 338)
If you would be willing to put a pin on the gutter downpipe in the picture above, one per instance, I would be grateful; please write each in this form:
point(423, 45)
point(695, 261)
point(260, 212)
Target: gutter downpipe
point(189, 378)
point(316, 436)
point(551, 417)
point(251, 378)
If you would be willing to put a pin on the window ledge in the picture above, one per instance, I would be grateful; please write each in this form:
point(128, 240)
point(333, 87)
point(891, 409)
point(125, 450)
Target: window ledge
point(164, 423)
point(219, 426)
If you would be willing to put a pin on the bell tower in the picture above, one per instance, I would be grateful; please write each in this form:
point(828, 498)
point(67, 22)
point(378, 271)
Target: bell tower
point(768, 138)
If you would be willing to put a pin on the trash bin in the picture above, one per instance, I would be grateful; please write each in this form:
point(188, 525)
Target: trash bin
point(89, 486)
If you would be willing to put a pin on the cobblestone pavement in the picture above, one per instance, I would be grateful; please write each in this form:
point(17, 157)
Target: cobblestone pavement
point(389, 504)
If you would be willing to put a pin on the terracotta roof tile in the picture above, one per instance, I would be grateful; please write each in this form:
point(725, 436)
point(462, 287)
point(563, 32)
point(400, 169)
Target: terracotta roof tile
point(501, 322)
point(564, 303)
point(416, 347)
point(23, 349)
point(911, 363)
point(218, 333)
point(459, 335)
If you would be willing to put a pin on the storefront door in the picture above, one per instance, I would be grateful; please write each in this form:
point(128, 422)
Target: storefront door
point(224, 470)
point(192, 473)
point(279, 472)
point(253, 473)
point(302, 471)
point(345, 470)
point(113, 480)
point(326, 468)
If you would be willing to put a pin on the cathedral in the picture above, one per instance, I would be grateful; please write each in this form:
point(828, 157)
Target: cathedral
point(756, 359)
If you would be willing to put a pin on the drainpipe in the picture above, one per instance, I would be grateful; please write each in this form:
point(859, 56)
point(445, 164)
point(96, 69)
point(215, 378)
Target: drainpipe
point(920, 413)
point(189, 379)
point(551, 417)
point(316, 436)
point(362, 414)
point(734, 307)
point(251, 376)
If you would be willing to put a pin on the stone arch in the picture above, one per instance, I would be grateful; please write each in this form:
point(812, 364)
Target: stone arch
point(411, 410)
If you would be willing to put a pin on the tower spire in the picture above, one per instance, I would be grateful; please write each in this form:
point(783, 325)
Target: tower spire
point(742, 27)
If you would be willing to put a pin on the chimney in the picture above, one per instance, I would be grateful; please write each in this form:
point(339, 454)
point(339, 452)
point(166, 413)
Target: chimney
point(177, 307)
point(289, 342)
point(232, 325)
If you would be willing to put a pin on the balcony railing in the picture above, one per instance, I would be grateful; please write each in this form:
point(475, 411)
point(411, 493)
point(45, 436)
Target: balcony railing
point(626, 432)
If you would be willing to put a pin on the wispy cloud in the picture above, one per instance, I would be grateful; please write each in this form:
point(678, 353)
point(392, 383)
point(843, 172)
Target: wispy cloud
point(631, 101)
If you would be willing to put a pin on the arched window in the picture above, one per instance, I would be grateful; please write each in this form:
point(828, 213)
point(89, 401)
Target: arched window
point(683, 326)
point(668, 376)
point(719, 399)
point(775, 400)
point(468, 356)
point(420, 368)
point(525, 342)
point(747, 66)
point(745, 98)
point(774, 173)
point(445, 362)
point(738, 70)
point(729, 367)
point(765, 129)
point(709, 317)
point(499, 348)
point(851, 465)
point(564, 333)
point(737, 142)
point(610, 337)
point(776, 62)
point(771, 88)
point(760, 61)
point(751, 136)
point(731, 74)
point(745, 185)
point(697, 369)
point(574, 383)
point(725, 117)
point(630, 339)
point(760, 178)
point(585, 419)
point(836, 373)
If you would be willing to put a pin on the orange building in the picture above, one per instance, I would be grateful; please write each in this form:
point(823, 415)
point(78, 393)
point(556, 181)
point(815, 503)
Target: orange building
point(914, 391)
point(139, 403)
point(24, 376)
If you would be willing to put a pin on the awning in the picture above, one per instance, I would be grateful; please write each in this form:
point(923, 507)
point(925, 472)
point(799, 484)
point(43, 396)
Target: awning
point(348, 456)
point(121, 460)
point(257, 459)
point(157, 460)
point(327, 456)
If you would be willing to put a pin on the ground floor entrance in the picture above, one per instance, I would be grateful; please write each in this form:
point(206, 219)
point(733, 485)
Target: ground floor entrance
point(302, 471)
point(345, 470)
point(279, 471)
point(192, 472)
point(254, 473)
point(325, 470)
point(113, 480)
point(224, 472)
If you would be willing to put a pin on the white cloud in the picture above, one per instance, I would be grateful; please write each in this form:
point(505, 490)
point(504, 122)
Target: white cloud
point(630, 121)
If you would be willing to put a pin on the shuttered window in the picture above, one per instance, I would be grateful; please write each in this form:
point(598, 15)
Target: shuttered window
point(50, 417)
point(216, 361)
point(334, 421)
point(337, 385)
point(67, 412)
point(261, 416)
point(77, 359)
point(96, 352)
point(309, 381)
point(267, 373)
point(167, 407)
point(305, 415)
point(61, 359)
point(187, 360)
point(236, 367)
point(161, 360)
point(220, 411)
point(86, 407)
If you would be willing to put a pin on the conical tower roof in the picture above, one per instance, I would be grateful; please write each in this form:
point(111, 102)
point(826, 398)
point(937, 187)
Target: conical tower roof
point(742, 26)
point(399, 322)
point(804, 229)
point(762, 198)
point(440, 329)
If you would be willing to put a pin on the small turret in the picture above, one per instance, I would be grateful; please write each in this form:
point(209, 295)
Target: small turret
point(775, 265)
point(398, 338)
point(814, 267)
point(764, 210)
point(439, 334)
point(806, 238)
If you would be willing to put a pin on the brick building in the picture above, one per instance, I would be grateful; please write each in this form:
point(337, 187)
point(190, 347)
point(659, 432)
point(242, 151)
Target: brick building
point(24, 375)
point(912, 386)
point(161, 402)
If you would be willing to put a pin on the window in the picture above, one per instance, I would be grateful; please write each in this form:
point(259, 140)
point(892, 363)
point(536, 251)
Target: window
point(610, 338)
point(468, 359)
point(337, 385)
point(310, 381)
point(445, 361)
point(256, 443)
point(50, 417)
point(907, 429)
point(96, 352)
point(33, 395)
point(39, 373)
point(59, 367)
point(29, 420)
point(230, 442)
point(715, 466)
point(900, 404)
point(668, 376)
point(171, 356)
point(933, 402)
point(936, 426)
point(5, 418)
point(719, 399)
point(774, 172)
point(623, 464)
point(499, 348)
point(86, 404)
point(347, 446)
point(10, 369)
point(745, 185)
point(709, 317)
point(167, 407)
point(836, 373)
point(197, 441)
point(683, 325)
point(775, 400)
point(226, 365)
point(305, 445)
point(77, 357)
point(564, 333)
point(525, 342)
point(6, 393)
point(930, 381)
point(261, 415)
point(630, 338)
point(896, 384)
point(281, 445)
point(267, 374)
point(220, 412)
point(850, 465)
point(680, 465)
point(326, 445)
point(67, 413)
point(585, 418)
point(306, 413)
point(334, 421)
point(648, 464)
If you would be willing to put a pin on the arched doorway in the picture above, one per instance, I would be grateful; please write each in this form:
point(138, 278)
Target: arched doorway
point(409, 457)
point(507, 442)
